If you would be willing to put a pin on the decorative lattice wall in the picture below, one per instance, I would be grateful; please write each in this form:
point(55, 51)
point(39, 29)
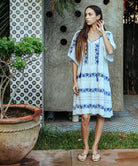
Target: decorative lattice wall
point(26, 20)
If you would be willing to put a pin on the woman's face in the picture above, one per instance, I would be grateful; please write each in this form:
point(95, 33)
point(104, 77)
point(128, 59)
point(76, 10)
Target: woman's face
point(90, 16)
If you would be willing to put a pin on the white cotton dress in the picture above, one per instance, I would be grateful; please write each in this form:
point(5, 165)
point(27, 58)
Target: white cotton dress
point(93, 78)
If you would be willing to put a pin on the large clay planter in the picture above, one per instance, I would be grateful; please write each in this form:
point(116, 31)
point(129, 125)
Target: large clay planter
point(18, 135)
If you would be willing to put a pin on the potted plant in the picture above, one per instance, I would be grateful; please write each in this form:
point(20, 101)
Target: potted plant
point(19, 123)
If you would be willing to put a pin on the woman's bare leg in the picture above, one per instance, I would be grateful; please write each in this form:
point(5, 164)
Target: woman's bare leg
point(85, 131)
point(98, 132)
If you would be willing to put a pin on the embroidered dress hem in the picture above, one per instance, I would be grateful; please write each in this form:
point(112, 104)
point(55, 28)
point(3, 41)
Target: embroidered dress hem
point(93, 114)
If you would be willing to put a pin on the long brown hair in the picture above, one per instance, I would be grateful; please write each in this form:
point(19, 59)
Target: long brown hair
point(83, 34)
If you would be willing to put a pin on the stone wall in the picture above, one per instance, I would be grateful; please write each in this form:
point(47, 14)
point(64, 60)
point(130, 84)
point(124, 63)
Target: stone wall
point(58, 70)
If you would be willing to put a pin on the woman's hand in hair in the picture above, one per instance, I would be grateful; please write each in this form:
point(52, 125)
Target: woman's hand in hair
point(100, 26)
point(108, 46)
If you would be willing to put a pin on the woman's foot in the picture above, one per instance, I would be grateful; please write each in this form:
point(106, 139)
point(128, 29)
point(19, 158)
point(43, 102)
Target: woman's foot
point(96, 157)
point(83, 155)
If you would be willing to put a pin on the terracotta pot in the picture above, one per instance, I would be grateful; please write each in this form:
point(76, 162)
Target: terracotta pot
point(19, 135)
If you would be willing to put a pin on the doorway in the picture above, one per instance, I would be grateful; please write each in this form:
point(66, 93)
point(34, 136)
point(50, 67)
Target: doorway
point(130, 47)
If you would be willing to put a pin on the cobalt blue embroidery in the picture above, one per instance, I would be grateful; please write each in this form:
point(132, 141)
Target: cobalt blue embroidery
point(97, 53)
point(86, 57)
point(93, 75)
point(95, 90)
point(97, 45)
point(73, 42)
point(108, 35)
point(91, 106)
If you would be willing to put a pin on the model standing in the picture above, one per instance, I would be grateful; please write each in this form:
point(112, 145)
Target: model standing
point(91, 49)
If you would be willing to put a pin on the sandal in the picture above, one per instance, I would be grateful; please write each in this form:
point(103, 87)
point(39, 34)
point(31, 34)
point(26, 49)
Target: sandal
point(96, 157)
point(82, 157)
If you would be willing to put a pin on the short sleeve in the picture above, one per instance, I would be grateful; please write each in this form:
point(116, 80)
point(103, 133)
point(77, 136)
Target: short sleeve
point(71, 52)
point(108, 57)
point(110, 38)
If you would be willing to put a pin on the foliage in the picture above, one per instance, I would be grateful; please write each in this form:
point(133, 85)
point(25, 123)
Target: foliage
point(15, 55)
point(4, 18)
point(49, 139)
point(7, 47)
point(61, 5)
point(130, 11)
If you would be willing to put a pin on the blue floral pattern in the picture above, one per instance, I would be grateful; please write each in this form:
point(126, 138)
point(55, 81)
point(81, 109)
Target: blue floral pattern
point(73, 42)
point(93, 75)
point(93, 106)
point(97, 53)
point(95, 90)
point(93, 79)
point(86, 57)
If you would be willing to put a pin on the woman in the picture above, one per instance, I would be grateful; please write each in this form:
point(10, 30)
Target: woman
point(91, 49)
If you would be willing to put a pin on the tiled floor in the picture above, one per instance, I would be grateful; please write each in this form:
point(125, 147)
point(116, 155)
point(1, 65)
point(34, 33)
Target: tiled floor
point(109, 157)
point(123, 121)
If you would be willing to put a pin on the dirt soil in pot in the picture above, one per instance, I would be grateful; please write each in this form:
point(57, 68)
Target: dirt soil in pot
point(18, 112)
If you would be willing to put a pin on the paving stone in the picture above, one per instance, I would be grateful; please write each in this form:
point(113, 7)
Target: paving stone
point(124, 121)
point(116, 157)
point(47, 158)
point(109, 157)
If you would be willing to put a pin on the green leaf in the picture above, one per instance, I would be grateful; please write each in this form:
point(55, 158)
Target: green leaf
point(62, 5)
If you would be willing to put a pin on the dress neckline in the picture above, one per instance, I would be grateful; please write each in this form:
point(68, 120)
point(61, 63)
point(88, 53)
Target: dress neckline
point(95, 39)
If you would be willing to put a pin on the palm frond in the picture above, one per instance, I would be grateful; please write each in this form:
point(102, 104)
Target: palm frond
point(4, 18)
point(61, 5)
